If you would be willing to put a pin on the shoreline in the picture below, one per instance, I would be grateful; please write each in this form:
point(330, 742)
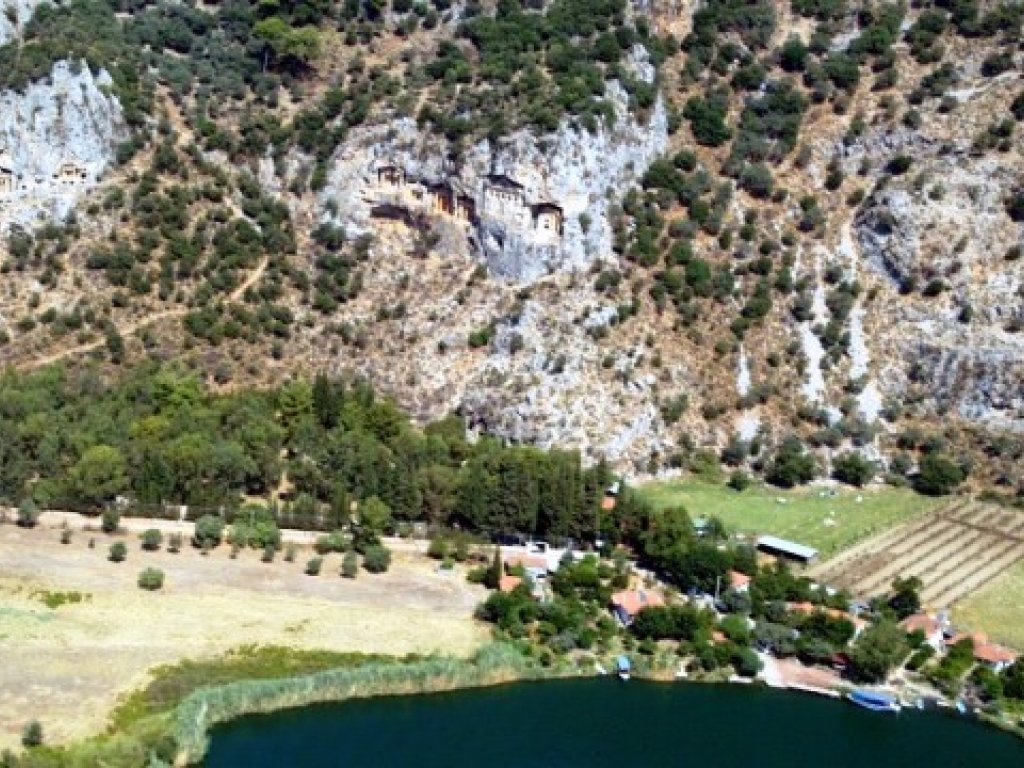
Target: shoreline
point(189, 724)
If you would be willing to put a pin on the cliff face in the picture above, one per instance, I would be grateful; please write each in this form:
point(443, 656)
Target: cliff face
point(939, 237)
point(56, 140)
point(14, 14)
point(527, 206)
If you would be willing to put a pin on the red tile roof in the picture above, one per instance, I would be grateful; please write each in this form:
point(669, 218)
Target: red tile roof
point(608, 503)
point(738, 580)
point(526, 561)
point(809, 608)
point(994, 654)
point(508, 583)
point(922, 622)
point(633, 600)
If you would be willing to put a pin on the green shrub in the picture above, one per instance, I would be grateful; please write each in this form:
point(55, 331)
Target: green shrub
point(151, 539)
point(110, 520)
point(32, 735)
point(313, 566)
point(377, 559)
point(118, 552)
point(151, 579)
point(350, 565)
point(28, 513)
point(209, 531)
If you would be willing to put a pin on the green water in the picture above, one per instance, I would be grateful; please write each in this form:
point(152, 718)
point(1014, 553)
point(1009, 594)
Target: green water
point(601, 722)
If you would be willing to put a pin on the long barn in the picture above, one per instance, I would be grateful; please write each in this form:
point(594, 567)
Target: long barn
point(791, 550)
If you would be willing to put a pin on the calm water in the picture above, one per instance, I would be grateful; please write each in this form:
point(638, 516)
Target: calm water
point(601, 722)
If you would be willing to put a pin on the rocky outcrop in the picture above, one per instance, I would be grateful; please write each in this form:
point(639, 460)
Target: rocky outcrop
point(526, 205)
point(14, 14)
point(941, 235)
point(56, 140)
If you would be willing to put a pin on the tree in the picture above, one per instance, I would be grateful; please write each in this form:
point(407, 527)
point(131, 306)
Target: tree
point(791, 465)
point(32, 735)
point(938, 475)
point(880, 648)
point(350, 565)
point(313, 566)
point(110, 520)
point(495, 572)
point(853, 469)
point(298, 46)
point(99, 475)
point(374, 520)
point(209, 530)
point(152, 539)
point(1013, 679)
point(377, 559)
point(739, 480)
point(28, 513)
point(151, 579)
point(118, 552)
point(905, 599)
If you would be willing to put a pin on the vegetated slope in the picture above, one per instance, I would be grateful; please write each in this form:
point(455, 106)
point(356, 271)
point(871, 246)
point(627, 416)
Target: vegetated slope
point(642, 230)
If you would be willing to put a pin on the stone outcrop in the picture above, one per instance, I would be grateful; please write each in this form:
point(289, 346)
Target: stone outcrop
point(14, 14)
point(527, 206)
point(941, 234)
point(56, 140)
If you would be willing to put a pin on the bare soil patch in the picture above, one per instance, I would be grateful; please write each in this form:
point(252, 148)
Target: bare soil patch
point(66, 666)
point(955, 551)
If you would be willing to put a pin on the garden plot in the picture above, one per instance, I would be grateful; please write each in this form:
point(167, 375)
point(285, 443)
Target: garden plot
point(954, 551)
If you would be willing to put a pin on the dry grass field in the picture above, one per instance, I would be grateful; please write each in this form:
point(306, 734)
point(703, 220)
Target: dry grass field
point(67, 664)
point(955, 551)
point(997, 608)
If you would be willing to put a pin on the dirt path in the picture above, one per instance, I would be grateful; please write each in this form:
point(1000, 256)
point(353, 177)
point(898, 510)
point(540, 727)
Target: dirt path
point(67, 666)
point(142, 323)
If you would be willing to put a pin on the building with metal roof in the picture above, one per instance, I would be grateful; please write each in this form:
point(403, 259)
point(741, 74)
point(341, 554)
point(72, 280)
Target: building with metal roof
point(773, 545)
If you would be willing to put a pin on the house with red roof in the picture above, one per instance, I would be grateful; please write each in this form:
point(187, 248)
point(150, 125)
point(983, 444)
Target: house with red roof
point(629, 602)
point(739, 581)
point(508, 583)
point(807, 609)
point(929, 626)
point(994, 656)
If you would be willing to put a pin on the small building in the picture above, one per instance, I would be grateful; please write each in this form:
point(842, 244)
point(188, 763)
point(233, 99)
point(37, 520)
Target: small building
point(859, 624)
point(69, 173)
point(608, 503)
point(790, 550)
point(929, 626)
point(992, 655)
point(390, 175)
point(508, 583)
point(629, 602)
point(8, 179)
point(548, 219)
point(739, 581)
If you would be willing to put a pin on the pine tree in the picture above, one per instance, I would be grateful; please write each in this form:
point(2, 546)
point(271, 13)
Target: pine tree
point(495, 572)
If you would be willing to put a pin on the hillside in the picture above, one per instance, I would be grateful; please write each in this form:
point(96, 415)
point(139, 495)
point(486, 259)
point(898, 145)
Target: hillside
point(646, 230)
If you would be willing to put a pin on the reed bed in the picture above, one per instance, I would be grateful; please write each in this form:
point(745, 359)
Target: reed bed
point(207, 707)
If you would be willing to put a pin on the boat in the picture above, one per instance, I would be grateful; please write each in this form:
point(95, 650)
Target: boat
point(876, 701)
point(622, 667)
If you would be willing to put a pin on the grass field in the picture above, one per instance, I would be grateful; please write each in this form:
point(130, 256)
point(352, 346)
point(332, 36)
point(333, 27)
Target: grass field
point(809, 516)
point(997, 609)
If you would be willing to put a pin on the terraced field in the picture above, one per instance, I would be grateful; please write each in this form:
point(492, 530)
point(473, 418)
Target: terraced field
point(954, 550)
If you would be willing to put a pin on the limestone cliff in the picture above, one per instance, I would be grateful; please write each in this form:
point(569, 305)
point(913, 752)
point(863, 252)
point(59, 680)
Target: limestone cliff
point(14, 14)
point(56, 140)
point(527, 205)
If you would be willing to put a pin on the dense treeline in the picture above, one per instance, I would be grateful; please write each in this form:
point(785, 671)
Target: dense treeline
point(157, 436)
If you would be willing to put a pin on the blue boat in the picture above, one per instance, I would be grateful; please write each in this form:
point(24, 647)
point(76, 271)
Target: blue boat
point(622, 667)
point(876, 701)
